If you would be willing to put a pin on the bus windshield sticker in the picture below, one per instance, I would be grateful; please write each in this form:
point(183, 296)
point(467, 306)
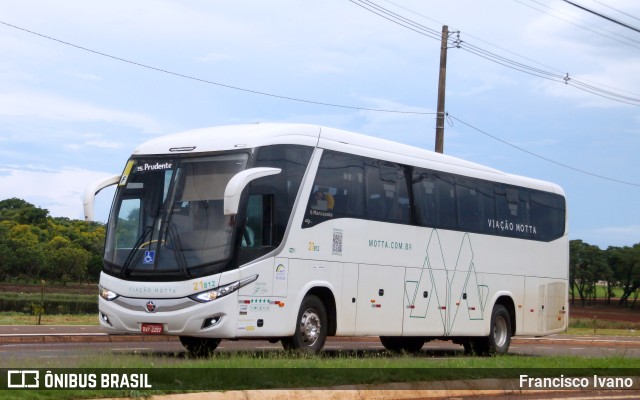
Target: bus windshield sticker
point(149, 257)
point(154, 166)
point(125, 173)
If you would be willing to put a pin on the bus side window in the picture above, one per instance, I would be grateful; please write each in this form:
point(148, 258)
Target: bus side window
point(258, 235)
point(258, 228)
point(423, 189)
point(475, 204)
point(446, 214)
point(387, 192)
point(338, 189)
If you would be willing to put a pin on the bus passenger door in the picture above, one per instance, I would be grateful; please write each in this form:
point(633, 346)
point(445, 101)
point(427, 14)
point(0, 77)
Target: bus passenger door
point(380, 300)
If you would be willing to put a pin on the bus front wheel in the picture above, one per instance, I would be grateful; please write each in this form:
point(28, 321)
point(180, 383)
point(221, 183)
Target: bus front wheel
point(199, 347)
point(311, 327)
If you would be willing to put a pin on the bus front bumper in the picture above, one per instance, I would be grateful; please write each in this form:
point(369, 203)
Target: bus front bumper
point(179, 317)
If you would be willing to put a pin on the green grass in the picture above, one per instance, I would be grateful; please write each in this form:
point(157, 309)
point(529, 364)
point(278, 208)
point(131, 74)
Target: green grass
point(15, 318)
point(601, 292)
point(587, 326)
point(603, 332)
point(35, 297)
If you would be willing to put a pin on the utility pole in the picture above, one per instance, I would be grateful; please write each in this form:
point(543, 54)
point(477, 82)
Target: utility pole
point(441, 86)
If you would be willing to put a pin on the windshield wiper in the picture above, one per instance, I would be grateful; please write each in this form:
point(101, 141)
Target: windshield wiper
point(177, 250)
point(134, 250)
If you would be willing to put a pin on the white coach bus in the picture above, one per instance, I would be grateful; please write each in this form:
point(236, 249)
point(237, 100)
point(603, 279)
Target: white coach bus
point(300, 232)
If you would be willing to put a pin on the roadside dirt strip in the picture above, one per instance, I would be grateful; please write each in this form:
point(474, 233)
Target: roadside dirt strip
point(417, 391)
point(432, 390)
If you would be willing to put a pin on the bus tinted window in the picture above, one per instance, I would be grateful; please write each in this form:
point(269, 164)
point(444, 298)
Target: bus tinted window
point(360, 187)
point(293, 161)
point(338, 190)
point(549, 211)
point(476, 204)
point(434, 198)
point(387, 193)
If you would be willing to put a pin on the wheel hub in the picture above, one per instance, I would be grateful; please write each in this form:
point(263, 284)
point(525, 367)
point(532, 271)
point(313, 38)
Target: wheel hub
point(310, 327)
point(500, 331)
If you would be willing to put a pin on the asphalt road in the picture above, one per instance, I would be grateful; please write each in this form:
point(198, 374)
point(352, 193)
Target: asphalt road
point(46, 342)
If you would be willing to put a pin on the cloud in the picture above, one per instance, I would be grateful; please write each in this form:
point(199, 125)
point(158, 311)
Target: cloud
point(102, 144)
point(214, 58)
point(59, 191)
point(26, 103)
point(537, 143)
point(83, 75)
point(105, 144)
point(590, 98)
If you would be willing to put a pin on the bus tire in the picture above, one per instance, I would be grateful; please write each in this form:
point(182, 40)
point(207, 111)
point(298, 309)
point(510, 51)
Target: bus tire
point(311, 327)
point(500, 333)
point(199, 347)
point(499, 337)
point(399, 344)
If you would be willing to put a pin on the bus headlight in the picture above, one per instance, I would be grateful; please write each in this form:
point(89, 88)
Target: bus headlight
point(107, 294)
point(222, 291)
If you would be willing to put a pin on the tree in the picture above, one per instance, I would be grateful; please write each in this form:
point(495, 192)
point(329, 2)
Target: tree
point(68, 264)
point(28, 251)
point(587, 267)
point(23, 212)
point(35, 246)
point(628, 271)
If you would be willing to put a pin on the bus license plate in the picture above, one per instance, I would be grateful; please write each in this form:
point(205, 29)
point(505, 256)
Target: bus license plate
point(152, 329)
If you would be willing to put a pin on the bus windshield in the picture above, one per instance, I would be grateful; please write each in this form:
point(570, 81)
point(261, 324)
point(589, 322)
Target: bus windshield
point(167, 219)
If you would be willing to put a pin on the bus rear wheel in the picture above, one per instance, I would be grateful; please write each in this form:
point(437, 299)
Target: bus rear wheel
point(199, 347)
point(499, 338)
point(311, 327)
point(400, 344)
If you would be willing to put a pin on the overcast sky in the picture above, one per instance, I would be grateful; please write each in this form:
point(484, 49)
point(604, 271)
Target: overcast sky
point(70, 116)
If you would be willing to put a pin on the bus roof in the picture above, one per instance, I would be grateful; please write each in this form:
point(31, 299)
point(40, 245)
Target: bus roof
point(234, 137)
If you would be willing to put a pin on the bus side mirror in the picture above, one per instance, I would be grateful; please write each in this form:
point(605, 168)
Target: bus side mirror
point(236, 185)
point(91, 192)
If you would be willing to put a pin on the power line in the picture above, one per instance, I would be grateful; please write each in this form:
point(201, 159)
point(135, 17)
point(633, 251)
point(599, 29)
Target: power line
point(474, 37)
point(542, 157)
point(615, 9)
point(598, 30)
point(393, 17)
point(490, 56)
point(510, 63)
point(206, 81)
point(615, 21)
point(530, 59)
point(397, 18)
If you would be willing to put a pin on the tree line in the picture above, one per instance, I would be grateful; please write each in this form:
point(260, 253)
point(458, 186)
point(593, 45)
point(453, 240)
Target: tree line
point(35, 246)
point(615, 270)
